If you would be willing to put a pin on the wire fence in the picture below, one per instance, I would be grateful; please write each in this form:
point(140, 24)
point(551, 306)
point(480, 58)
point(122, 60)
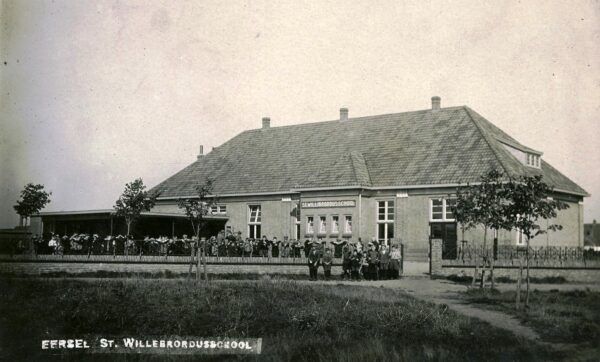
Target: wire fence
point(512, 253)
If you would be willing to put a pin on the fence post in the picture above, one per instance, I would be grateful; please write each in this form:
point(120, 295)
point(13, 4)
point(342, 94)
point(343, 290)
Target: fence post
point(435, 258)
point(401, 258)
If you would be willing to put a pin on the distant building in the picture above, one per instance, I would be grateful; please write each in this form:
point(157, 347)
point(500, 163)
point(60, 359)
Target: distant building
point(592, 234)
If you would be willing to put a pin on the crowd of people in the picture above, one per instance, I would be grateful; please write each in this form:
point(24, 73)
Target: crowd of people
point(373, 261)
point(231, 245)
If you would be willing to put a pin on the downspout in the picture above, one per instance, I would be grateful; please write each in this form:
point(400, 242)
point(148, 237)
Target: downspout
point(359, 212)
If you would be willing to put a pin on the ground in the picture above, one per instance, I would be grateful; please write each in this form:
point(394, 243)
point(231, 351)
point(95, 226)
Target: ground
point(297, 320)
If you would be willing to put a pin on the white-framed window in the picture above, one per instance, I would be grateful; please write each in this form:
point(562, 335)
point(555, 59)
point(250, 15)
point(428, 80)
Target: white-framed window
point(254, 221)
point(440, 209)
point(385, 220)
point(335, 224)
point(347, 224)
point(533, 160)
point(310, 225)
point(218, 209)
point(322, 224)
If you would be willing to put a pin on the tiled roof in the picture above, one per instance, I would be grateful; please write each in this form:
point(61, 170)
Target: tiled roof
point(430, 147)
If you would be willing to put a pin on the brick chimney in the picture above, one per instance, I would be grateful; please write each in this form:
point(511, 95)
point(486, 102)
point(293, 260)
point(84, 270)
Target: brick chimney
point(266, 122)
point(343, 114)
point(201, 152)
point(436, 102)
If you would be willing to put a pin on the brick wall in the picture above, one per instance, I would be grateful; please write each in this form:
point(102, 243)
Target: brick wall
point(39, 268)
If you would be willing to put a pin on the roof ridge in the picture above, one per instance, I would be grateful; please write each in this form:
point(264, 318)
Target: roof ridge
point(361, 118)
point(486, 137)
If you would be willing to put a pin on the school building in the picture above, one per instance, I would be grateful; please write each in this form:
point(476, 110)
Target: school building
point(389, 177)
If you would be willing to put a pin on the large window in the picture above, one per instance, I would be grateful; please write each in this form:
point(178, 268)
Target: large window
point(348, 224)
point(322, 224)
point(335, 224)
point(310, 225)
point(254, 222)
point(441, 209)
point(385, 221)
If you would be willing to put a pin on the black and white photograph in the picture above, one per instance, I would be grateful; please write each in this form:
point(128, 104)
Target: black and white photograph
point(299, 180)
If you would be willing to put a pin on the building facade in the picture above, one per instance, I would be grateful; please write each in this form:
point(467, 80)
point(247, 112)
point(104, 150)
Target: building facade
point(389, 177)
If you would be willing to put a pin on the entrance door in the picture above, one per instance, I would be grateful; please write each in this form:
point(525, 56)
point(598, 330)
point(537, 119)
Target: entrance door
point(447, 232)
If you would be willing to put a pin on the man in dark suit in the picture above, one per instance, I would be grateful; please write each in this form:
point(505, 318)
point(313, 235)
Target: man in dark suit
point(314, 259)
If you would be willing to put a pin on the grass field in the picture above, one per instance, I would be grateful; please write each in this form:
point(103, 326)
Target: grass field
point(559, 317)
point(298, 322)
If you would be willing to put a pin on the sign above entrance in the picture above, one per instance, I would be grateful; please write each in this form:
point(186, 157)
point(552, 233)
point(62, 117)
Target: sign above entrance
point(340, 203)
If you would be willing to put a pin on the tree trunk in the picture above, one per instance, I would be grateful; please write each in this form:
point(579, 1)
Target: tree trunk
point(485, 258)
point(198, 265)
point(191, 259)
point(527, 275)
point(204, 263)
point(519, 277)
point(494, 246)
point(476, 272)
point(127, 237)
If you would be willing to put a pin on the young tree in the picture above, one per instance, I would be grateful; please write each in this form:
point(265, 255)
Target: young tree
point(530, 202)
point(33, 199)
point(483, 204)
point(463, 214)
point(197, 208)
point(133, 201)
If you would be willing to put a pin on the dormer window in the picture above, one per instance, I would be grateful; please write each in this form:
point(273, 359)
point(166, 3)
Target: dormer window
point(533, 160)
point(524, 155)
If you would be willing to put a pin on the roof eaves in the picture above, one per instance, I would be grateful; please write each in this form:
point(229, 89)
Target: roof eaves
point(519, 146)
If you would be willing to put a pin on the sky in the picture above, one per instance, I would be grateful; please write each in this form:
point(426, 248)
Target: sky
point(96, 94)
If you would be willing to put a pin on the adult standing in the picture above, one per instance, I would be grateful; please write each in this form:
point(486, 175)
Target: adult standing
point(373, 262)
point(346, 260)
point(384, 262)
point(313, 263)
point(395, 261)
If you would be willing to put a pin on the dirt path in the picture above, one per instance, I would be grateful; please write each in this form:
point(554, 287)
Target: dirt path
point(445, 292)
point(448, 293)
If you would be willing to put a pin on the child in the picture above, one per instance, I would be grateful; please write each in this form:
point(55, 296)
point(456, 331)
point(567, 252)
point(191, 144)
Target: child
point(327, 261)
point(355, 263)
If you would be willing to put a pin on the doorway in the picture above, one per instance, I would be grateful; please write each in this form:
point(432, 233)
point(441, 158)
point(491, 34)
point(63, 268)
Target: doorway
point(447, 232)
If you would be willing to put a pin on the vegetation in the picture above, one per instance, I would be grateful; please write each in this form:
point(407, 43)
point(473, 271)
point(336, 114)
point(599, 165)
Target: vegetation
point(559, 317)
point(530, 202)
point(33, 199)
point(503, 202)
point(483, 204)
point(133, 201)
point(297, 322)
point(464, 279)
point(197, 208)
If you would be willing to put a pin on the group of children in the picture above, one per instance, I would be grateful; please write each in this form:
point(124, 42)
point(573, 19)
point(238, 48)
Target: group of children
point(377, 262)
